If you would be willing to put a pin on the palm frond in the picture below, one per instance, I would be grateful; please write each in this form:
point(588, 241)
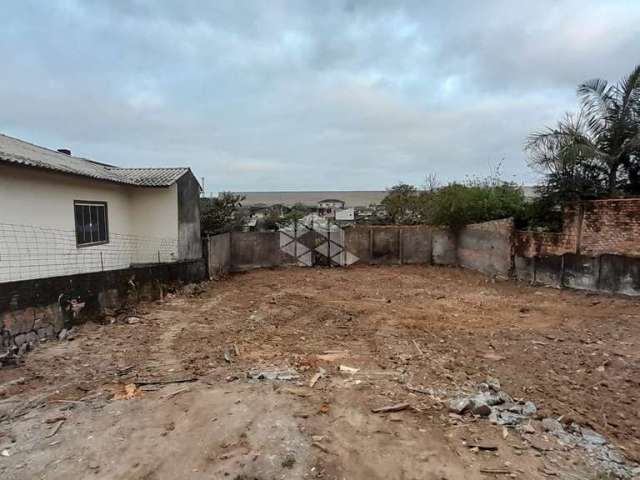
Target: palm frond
point(629, 89)
point(597, 98)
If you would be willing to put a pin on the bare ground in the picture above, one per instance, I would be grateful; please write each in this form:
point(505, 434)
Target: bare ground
point(429, 329)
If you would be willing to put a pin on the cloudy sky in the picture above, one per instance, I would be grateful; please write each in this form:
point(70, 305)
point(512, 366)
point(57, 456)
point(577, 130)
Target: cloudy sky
point(278, 95)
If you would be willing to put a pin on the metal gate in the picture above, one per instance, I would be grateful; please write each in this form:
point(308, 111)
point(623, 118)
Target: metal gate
point(316, 242)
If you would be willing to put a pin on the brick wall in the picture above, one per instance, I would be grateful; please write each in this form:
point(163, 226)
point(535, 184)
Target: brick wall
point(611, 226)
point(535, 244)
point(592, 228)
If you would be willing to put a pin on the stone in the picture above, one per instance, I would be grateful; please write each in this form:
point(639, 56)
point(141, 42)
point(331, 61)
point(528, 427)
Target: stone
point(528, 428)
point(133, 320)
point(483, 410)
point(529, 409)
point(552, 425)
point(63, 334)
point(459, 405)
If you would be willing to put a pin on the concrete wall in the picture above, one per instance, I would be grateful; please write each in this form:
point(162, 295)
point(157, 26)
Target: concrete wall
point(189, 241)
point(605, 273)
point(486, 247)
point(443, 247)
point(31, 310)
point(416, 245)
point(251, 250)
point(218, 248)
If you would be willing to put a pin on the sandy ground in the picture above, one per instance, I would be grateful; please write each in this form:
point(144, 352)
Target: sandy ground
point(418, 335)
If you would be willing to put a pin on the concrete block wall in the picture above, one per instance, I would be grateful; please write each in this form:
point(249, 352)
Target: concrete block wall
point(33, 310)
point(218, 254)
point(486, 247)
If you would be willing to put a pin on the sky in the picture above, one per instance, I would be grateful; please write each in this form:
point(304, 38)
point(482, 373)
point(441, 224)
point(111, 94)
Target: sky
point(305, 95)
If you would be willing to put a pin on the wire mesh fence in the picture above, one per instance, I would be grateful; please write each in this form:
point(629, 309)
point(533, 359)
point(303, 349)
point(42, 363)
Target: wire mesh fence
point(28, 252)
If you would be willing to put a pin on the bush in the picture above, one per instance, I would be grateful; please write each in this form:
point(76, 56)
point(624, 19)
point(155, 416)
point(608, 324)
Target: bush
point(457, 204)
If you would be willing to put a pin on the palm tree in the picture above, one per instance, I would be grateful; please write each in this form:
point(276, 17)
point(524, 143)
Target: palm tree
point(604, 136)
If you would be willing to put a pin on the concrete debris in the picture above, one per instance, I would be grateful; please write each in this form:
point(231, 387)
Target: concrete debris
point(133, 320)
point(503, 410)
point(552, 425)
point(321, 372)
point(459, 405)
point(346, 369)
point(285, 375)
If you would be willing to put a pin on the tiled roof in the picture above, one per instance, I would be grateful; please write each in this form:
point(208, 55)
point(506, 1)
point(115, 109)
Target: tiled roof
point(26, 154)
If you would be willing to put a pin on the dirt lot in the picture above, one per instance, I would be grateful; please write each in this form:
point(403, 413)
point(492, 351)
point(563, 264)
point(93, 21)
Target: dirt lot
point(418, 335)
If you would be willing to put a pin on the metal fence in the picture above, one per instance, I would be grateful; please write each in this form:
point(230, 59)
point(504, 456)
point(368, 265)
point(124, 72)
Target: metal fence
point(29, 252)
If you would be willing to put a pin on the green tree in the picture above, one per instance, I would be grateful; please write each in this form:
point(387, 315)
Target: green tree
point(402, 204)
point(459, 204)
point(221, 214)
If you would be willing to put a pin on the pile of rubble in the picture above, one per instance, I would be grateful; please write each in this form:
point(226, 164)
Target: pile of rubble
point(491, 402)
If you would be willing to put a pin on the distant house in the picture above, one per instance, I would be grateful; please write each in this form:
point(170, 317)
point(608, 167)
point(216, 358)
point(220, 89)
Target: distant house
point(62, 215)
point(351, 198)
point(329, 206)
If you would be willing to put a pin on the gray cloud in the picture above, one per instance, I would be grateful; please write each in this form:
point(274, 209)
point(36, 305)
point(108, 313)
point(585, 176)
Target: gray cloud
point(288, 95)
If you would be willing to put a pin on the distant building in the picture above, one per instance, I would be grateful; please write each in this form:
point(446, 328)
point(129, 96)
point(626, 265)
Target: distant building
point(354, 198)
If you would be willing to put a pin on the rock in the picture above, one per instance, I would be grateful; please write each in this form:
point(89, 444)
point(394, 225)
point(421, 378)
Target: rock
point(133, 320)
point(528, 428)
point(63, 334)
point(483, 410)
point(529, 409)
point(507, 418)
point(552, 425)
point(459, 405)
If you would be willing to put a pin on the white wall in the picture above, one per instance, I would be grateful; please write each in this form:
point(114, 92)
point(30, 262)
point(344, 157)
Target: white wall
point(37, 224)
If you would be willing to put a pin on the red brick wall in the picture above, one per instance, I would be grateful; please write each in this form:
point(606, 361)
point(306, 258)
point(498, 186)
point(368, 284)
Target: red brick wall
point(611, 226)
point(535, 244)
point(591, 228)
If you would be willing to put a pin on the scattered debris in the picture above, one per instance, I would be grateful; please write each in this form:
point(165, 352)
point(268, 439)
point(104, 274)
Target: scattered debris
point(392, 408)
point(321, 372)
point(5, 453)
point(346, 369)
point(420, 352)
point(56, 428)
point(177, 392)
point(274, 375)
point(489, 447)
point(227, 356)
point(165, 382)
point(126, 391)
point(133, 320)
point(289, 461)
point(496, 471)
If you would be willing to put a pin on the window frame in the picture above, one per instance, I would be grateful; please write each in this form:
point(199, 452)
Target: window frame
point(92, 203)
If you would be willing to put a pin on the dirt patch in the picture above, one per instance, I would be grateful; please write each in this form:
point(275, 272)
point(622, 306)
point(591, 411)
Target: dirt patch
point(416, 335)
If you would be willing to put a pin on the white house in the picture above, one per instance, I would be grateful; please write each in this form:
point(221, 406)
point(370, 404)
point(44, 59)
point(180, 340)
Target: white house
point(62, 215)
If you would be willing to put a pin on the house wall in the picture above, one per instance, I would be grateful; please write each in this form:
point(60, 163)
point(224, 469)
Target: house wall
point(189, 240)
point(37, 225)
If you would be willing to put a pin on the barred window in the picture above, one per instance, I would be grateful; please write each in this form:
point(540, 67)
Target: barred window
point(91, 223)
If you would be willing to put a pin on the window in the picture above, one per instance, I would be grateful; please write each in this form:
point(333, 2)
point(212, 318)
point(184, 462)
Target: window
point(91, 223)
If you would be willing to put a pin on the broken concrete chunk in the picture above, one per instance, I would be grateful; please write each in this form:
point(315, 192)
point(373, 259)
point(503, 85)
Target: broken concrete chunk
point(274, 375)
point(552, 425)
point(346, 369)
point(529, 409)
point(459, 405)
